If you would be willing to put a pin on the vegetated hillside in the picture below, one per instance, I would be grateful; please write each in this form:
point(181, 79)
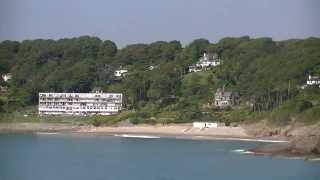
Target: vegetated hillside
point(267, 74)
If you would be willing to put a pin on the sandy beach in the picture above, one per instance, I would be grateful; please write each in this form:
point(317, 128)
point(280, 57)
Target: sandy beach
point(182, 131)
point(174, 130)
point(37, 127)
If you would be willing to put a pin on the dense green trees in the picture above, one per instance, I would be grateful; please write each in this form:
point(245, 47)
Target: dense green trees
point(8, 50)
point(191, 53)
point(266, 73)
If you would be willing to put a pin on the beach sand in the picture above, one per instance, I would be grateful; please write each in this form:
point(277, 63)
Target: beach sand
point(173, 130)
point(183, 131)
point(37, 127)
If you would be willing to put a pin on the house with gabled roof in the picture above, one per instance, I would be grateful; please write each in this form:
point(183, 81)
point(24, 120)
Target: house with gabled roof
point(312, 81)
point(224, 99)
point(207, 61)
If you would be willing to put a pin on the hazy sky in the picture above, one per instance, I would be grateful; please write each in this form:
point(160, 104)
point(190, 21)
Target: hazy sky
point(144, 21)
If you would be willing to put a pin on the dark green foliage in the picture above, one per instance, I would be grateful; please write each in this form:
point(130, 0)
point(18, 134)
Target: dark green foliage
point(303, 105)
point(1, 105)
point(141, 117)
point(8, 50)
point(267, 74)
point(191, 53)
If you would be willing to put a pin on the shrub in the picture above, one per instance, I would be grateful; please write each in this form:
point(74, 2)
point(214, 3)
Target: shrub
point(303, 105)
point(96, 122)
point(280, 118)
point(311, 115)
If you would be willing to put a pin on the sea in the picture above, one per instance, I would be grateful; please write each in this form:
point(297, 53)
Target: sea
point(50, 156)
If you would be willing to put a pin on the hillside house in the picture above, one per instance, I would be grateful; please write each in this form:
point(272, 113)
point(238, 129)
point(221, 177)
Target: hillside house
point(152, 67)
point(224, 99)
point(6, 77)
point(120, 73)
point(205, 62)
point(313, 80)
point(195, 68)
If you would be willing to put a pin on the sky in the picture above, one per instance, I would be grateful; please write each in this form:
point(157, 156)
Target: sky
point(144, 21)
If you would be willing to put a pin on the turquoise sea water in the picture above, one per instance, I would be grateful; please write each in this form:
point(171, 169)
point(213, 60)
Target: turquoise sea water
point(93, 157)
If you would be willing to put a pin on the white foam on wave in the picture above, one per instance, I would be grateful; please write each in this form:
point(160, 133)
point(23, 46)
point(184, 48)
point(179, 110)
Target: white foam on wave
point(136, 136)
point(314, 159)
point(242, 151)
point(46, 133)
point(253, 140)
point(248, 152)
point(238, 150)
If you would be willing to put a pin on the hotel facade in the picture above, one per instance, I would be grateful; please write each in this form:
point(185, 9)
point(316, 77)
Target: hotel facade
point(81, 104)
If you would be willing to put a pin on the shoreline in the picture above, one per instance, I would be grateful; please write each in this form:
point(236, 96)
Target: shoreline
point(282, 146)
point(178, 131)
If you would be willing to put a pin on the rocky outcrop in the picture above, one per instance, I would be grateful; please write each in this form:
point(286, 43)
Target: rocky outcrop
point(262, 129)
point(306, 145)
point(304, 141)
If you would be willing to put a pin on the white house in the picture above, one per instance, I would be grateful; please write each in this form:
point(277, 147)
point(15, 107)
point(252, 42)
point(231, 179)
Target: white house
point(120, 73)
point(6, 77)
point(152, 67)
point(208, 60)
point(202, 125)
point(80, 104)
point(313, 80)
point(194, 69)
point(205, 62)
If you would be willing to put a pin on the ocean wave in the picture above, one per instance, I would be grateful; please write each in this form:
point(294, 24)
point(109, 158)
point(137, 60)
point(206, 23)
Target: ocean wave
point(242, 151)
point(252, 140)
point(238, 150)
point(136, 136)
point(45, 133)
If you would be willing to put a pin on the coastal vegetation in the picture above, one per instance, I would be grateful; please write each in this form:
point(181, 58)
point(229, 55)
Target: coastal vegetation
point(267, 74)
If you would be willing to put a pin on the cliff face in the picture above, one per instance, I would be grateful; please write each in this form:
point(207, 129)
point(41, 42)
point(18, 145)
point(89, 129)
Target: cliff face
point(306, 145)
point(304, 140)
point(291, 131)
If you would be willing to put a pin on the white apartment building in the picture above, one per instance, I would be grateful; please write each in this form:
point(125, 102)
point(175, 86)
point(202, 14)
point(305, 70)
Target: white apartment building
point(81, 104)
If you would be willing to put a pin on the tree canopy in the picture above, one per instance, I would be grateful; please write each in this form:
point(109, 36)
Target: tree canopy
point(264, 72)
